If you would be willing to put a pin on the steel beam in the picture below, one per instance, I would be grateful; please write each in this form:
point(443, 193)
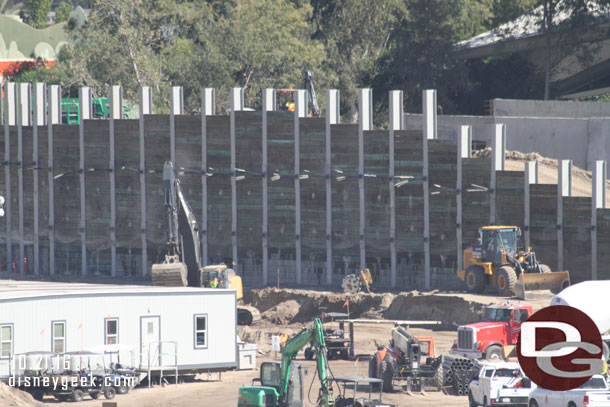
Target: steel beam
point(332, 117)
point(10, 119)
point(145, 96)
point(531, 177)
point(365, 123)
point(84, 99)
point(430, 131)
point(237, 103)
point(464, 150)
point(53, 117)
point(564, 188)
point(497, 164)
point(396, 124)
point(23, 119)
point(300, 111)
point(268, 106)
point(39, 93)
point(208, 108)
point(116, 112)
point(598, 201)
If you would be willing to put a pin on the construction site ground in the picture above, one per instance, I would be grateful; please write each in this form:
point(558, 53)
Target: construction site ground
point(288, 311)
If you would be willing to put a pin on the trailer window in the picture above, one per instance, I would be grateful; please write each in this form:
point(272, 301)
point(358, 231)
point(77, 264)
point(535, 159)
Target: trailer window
point(201, 331)
point(112, 331)
point(489, 372)
point(6, 340)
point(59, 337)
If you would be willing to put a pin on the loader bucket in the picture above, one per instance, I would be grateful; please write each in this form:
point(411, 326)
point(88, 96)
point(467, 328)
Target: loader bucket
point(529, 282)
point(169, 274)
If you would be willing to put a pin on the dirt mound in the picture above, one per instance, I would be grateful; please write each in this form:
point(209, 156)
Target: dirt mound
point(11, 397)
point(448, 309)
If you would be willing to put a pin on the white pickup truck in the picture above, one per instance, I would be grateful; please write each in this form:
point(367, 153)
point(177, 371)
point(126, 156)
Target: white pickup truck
point(593, 393)
point(500, 384)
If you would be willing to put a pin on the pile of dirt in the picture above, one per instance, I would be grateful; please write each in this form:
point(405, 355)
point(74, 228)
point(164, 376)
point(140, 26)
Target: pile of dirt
point(446, 308)
point(11, 397)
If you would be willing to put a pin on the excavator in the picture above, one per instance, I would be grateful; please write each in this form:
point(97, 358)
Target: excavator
point(281, 383)
point(183, 265)
point(285, 97)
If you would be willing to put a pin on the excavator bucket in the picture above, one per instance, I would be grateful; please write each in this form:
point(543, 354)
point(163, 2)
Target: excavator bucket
point(530, 282)
point(169, 274)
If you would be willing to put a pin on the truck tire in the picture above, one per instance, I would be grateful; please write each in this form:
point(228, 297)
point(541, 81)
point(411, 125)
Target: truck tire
point(109, 392)
point(439, 377)
point(95, 394)
point(386, 373)
point(544, 268)
point(475, 279)
point(494, 352)
point(77, 395)
point(471, 402)
point(122, 389)
point(506, 278)
point(533, 403)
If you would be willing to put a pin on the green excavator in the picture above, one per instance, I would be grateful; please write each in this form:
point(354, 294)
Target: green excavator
point(281, 383)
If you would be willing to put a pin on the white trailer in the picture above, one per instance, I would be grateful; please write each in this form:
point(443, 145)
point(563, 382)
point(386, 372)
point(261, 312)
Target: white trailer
point(171, 328)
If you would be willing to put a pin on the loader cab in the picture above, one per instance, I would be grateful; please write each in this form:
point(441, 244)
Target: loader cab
point(271, 377)
point(496, 240)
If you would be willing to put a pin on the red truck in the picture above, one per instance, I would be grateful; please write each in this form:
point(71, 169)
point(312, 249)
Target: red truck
point(501, 327)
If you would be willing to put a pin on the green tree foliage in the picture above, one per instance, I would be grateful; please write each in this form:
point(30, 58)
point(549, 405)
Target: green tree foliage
point(62, 13)
point(36, 12)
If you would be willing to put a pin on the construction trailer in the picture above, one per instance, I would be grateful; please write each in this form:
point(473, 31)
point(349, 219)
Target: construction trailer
point(173, 329)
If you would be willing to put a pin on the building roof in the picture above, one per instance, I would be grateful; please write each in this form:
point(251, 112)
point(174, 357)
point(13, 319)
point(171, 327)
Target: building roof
point(16, 290)
point(19, 41)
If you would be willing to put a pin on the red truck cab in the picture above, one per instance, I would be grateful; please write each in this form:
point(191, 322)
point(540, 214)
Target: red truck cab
point(500, 327)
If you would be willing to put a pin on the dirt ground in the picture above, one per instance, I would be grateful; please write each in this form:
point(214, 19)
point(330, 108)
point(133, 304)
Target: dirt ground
point(289, 310)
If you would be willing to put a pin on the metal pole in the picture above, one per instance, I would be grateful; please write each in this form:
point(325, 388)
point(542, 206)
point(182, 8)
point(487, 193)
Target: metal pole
point(268, 106)
point(598, 201)
point(365, 123)
point(53, 117)
point(396, 123)
point(39, 120)
point(23, 119)
point(497, 164)
point(116, 112)
point(429, 109)
point(464, 151)
point(531, 177)
point(208, 108)
point(9, 120)
point(84, 97)
point(564, 189)
point(300, 111)
point(175, 102)
point(237, 95)
point(332, 117)
point(145, 108)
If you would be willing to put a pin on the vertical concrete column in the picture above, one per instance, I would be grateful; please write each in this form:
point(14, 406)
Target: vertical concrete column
point(23, 119)
point(598, 194)
point(396, 123)
point(84, 98)
point(116, 112)
point(531, 177)
point(175, 108)
point(564, 188)
point(365, 123)
point(237, 104)
point(10, 119)
point(208, 108)
point(39, 91)
point(332, 117)
point(268, 106)
point(464, 150)
point(53, 117)
point(300, 111)
point(429, 116)
point(145, 96)
point(497, 164)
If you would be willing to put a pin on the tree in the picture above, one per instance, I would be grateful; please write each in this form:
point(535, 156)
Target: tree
point(63, 12)
point(36, 12)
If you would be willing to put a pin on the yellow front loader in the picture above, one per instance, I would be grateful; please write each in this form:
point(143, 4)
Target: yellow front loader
point(495, 261)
